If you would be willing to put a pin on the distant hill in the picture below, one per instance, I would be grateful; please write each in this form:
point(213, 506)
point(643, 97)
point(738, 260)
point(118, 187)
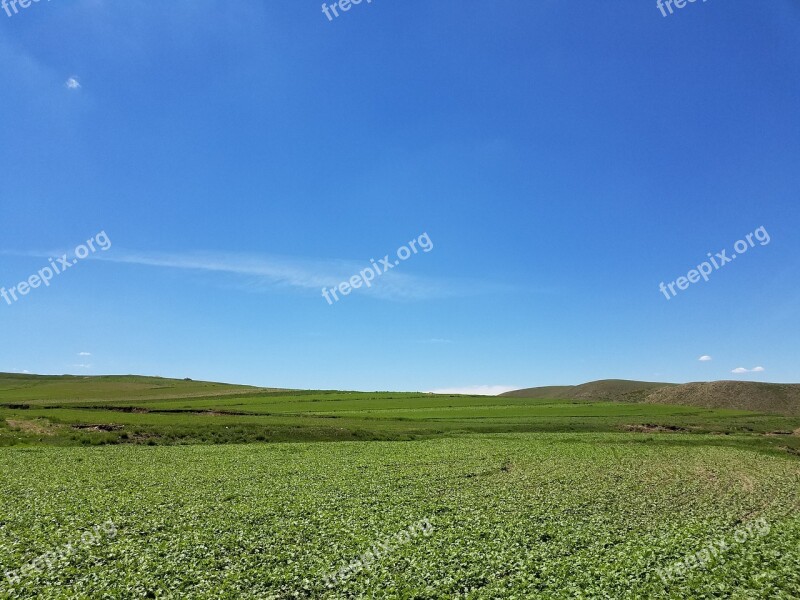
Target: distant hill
point(24, 388)
point(774, 398)
point(619, 390)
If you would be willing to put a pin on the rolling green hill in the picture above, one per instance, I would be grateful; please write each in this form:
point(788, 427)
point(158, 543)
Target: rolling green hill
point(620, 390)
point(36, 389)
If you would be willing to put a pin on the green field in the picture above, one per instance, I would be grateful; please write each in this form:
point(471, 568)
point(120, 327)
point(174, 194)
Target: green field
point(526, 498)
point(513, 516)
point(108, 410)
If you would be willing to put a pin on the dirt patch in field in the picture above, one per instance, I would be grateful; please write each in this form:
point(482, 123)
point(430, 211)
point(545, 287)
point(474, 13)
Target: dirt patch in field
point(101, 427)
point(126, 409)
point(797, 431)
point(40, 427)
point(649, 428)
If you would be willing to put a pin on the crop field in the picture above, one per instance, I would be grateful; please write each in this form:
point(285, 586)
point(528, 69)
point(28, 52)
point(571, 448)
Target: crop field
point(143, 487)
point(591, 515)
point(159, 411)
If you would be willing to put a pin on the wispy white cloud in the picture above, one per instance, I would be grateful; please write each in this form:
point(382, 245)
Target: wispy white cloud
point(437, 341)
point(475, 390)
point(84, 353)
point(260, 273)
point(704, 358)
point(739, 370)
point(72, 83)
point(82, 366)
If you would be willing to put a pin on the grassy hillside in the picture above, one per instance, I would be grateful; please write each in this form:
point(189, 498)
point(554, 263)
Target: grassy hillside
point(621, 390)
point(776, 398)
point(772, 398)
point(40, 389)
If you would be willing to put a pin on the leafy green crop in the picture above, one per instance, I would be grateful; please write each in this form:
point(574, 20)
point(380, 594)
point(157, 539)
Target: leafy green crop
point(513, 516)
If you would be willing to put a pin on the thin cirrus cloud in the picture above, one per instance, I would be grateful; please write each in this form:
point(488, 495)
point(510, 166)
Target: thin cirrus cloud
point(264, 273)
point(704, 358)
point(739, 370)
point(475, 390)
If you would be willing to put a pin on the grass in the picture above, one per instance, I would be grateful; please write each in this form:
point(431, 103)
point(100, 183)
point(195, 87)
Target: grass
point(513, 516)
point(40, 389)
point(168, 412)
point(550, 498)
point(547, 497)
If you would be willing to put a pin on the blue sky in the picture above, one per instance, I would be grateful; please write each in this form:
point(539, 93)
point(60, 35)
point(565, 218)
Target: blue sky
point(564, 160)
